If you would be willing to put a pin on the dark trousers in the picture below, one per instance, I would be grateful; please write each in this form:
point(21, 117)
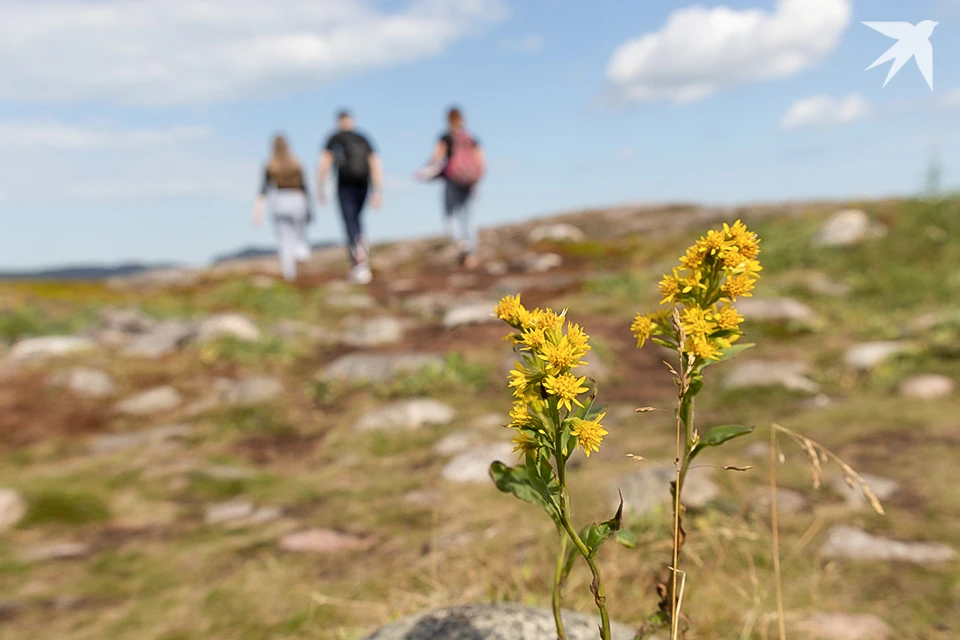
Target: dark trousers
point(352, 198)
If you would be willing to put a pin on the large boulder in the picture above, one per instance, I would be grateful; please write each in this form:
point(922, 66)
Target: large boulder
point(227, 325)
point(407, 415)
point(380, 367)
point(844, 541)
point(84, 381)
point(867, 355)
point(847, 227)
point(472, 465)
point(648, 489)
point(787, 374)
point(12, 508)
point(49, 347)
point(781, 311)
point(559, 232)
point(373, 332)
point(151, 401)
point(927, 386)
point(163, 339)
point(471, 313)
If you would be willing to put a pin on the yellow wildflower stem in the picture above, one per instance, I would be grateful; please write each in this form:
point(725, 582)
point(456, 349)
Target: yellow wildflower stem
point(557, 586)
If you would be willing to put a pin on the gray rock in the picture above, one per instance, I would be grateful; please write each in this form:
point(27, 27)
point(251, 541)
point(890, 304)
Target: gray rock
point(228, 472)
point(470, 313)
point(156, 400)
point(821, 284)
point(455, 443)
point(252, 391)
point(321, 541)
point(541, 262)
point(843, 626)
point(559, 232)
point(292, 330)
point(227, 325)
point(374, 332)
point(847, 227)
point(648, 489)
point(429, 306)
point(49, 347)
point(770, 373)
point(355, 301)
point(12, 509)
point(927, 386)
point(883, 488)
point(407, 414)
point(868, 355)
point(788, 500)
point(846, 542)
point(163, 339)
point(84, 381)
point(359, 367)
point(786, 311)
point(473, 465)
point(239, 513)
point(501, 621)
point(119, 441)
point(129, 321)
point(58, 551)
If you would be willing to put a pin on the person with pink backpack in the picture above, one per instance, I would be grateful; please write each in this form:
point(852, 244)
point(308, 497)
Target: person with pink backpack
point(459, 160)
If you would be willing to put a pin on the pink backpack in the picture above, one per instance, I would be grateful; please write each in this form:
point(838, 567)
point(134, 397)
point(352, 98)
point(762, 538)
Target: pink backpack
point(463, 168)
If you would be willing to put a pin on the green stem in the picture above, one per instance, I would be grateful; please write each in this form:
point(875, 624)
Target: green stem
point(557, 586)
point(597, 586)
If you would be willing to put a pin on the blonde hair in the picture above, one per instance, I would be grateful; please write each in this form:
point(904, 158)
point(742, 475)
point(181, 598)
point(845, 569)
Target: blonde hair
point(284, 168)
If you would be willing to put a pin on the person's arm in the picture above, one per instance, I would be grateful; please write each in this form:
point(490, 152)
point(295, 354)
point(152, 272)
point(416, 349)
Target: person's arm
point(323, 168)
point(439, 152)
point(260, 204)
point(376, 179)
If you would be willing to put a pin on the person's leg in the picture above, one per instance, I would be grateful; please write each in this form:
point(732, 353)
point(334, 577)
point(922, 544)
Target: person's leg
point(350, 211)
point(287, 246)
point(363, 247)
point(303, 243)
point(465, 218)
point(449, 206)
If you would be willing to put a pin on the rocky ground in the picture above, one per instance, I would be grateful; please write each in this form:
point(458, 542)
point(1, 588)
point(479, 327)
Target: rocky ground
point(216, 454)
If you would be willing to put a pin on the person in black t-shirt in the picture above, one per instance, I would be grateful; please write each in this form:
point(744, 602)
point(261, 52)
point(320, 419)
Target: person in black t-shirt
point(358, 169)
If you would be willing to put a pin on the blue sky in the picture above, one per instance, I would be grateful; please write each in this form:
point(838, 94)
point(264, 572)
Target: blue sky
point(138, 129)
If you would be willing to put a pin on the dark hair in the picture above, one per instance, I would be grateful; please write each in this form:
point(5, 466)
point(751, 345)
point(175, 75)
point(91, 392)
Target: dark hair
point(455, 117)
point(343, 113)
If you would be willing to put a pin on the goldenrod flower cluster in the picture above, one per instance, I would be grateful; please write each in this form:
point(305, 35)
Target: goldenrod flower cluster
point(543, 381)
point(719, 268)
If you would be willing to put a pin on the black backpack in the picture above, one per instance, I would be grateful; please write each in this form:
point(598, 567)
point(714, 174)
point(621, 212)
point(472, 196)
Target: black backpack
point(353, 163)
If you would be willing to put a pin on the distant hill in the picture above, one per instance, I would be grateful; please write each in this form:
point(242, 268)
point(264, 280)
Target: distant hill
point(83, 272)
point(260, 252)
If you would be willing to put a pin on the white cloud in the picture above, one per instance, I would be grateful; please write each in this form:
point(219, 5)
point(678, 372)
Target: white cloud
point(527, 44)
point(166, 52)
point(824, 111)
point(700, 50)
point(58, 135)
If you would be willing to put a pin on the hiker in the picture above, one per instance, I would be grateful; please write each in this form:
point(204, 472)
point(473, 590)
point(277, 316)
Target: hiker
point(358, 169)
point(459, 161)
point(285, 190)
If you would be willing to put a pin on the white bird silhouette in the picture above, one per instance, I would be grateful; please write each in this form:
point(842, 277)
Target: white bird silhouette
point(913, 42)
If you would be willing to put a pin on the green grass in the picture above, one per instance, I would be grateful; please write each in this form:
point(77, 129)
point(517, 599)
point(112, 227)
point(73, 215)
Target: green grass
point(62, 507)
point(455, 375)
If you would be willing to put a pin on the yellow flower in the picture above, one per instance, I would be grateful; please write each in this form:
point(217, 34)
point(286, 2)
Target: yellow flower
point(561, 356)
point(533, 338)
point(732, 258)
point(727, 317)
point(544, 319)
point(566, 387)
point(524, 443)
point(511, 311)
point(693, 258)
point(748, 267)
point(589, 434)
point(577, 337)
point(521, 380)
point(744, 239)
point(701, 347)
point(519, 415)
point(739, 286)
point(695, 322)
point(713, 242)
point(641, 328)
point(669, 287)
point(691, 282)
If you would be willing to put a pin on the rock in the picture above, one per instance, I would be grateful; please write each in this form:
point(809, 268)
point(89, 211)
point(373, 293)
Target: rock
point(240, 513)
point(473, 464)
point(819, 283)
point(868, 355)
point(227, 325)
point(49, 347)
point(843, 626)
point(489, 421)
point(84, 381)
point(372, 333)
point(497, 268)
point(470, 313)
point(251, 391)
point(819, 401)
point(847, 227)
point(541, 262)
point(58, 551)
point(500, 621)
point(12, 509)
point(559, 232)
point(355, 301)
point(156, 400)
point(129, 321)
point(321, 541)
point(408, 415)
point(163, 339)
point(364, 367)
point(883, 488)
point(770, 373)
point(454, 443)
point(292, 330)
point(462, 280)
point(227, 472)
point(429, 306)
point(927, 386)
point(846, 542)
point(788, 500)
point(785, 311)
point(648, 488)
point(109, 443)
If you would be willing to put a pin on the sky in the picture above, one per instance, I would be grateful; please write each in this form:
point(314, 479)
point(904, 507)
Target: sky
point(138, 129)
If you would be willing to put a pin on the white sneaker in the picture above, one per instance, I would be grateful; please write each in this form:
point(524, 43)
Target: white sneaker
point(361, 274)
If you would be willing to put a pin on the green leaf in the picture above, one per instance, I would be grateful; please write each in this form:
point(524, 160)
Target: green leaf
point(696, 385)
point(540, 474)
point(516, 481)
point(729, 353)
point(597, 534)
point(627, 538)
point(718, 435)
point(665, 343)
